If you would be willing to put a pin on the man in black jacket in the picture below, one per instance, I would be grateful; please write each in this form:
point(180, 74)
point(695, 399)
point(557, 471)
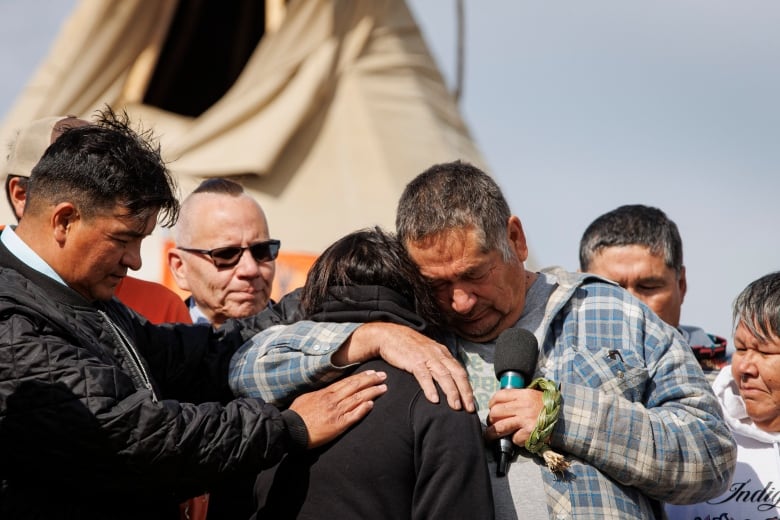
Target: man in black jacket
point(102, 414)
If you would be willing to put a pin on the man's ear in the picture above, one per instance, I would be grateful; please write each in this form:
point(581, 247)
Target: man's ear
point(516, 236)
point(178, 268)
point(17, 194)
point(63, 219)
point(683, 284)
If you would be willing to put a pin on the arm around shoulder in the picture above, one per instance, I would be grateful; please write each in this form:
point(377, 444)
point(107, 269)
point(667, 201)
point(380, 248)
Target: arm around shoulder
point(284, 361)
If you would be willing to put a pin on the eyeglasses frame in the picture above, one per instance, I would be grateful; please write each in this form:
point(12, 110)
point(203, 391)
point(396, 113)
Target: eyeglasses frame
point(273, 244)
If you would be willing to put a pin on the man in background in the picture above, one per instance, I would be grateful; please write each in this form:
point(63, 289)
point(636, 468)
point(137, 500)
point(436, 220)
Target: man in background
point(224, 254)
point(640, 248)
point(153, 301)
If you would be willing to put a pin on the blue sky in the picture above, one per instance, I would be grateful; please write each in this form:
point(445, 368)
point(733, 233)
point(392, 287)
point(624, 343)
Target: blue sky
point(579, 107)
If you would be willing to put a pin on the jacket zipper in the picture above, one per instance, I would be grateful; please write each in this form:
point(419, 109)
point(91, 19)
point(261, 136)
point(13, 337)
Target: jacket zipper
point(131, 353)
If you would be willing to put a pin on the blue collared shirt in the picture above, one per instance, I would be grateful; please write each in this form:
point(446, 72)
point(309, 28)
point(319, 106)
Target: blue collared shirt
point(196, 314)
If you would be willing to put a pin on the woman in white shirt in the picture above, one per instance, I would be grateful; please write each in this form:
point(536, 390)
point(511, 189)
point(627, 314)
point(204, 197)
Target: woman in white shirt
point(749, 394)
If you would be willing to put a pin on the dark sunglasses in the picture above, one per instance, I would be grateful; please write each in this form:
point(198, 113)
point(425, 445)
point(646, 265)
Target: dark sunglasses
point(265, 251)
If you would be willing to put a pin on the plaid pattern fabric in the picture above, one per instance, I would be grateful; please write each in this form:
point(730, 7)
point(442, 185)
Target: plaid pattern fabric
point(282, 362)
point(639, 422)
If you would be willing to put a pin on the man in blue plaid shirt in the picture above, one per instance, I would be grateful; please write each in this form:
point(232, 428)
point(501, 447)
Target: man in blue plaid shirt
point(639, 424)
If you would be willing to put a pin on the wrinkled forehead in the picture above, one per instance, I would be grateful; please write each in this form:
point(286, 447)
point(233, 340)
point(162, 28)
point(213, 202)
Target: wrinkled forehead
point(448, 252)
point(450, 241)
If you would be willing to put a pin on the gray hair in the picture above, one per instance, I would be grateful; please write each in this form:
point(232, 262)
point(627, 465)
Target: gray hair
point(450, 196)
point(631, 225)
point(758, 307)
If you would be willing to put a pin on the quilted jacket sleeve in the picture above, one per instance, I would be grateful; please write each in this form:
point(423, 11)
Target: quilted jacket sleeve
point(69, 407)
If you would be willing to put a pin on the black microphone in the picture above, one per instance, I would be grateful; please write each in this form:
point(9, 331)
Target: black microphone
point(515, 364)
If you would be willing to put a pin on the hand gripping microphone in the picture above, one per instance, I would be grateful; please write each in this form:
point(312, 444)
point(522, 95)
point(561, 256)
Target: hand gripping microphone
point(515, 364)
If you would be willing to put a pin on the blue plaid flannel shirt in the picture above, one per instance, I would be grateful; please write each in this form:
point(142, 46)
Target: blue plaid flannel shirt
point(639, 422)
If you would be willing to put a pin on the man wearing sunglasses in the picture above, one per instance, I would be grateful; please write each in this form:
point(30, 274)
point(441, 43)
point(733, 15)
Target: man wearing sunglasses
point(224, 255)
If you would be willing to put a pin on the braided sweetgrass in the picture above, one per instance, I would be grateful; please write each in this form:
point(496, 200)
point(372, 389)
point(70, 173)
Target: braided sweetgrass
point(537, 442)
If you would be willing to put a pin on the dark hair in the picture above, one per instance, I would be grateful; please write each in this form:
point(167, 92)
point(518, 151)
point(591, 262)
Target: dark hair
point(100, 165)
point(633, 224)
point(451, 196)
point(758, 307)
point(368, 257)
point(219, 185)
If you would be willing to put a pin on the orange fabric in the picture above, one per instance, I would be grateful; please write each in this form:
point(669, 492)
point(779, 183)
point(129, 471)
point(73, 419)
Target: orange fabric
point(153, 301)
point(291, 271)
point(195, 508)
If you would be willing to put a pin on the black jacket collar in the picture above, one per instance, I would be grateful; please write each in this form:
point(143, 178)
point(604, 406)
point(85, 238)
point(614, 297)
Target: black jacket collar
point(365, 303)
